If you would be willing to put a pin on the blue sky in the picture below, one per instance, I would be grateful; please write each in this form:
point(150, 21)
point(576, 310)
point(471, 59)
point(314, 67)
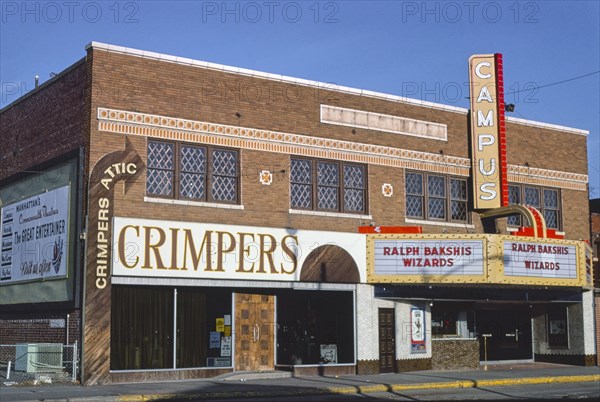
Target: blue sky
point(417, 49)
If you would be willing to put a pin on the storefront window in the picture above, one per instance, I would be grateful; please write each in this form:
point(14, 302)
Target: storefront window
point(315, 328)
point(558, 331)
point(142, 328)
point(444, 323)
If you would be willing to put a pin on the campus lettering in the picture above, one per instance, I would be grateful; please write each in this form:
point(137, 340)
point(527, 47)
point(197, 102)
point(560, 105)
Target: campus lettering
point(485, 132)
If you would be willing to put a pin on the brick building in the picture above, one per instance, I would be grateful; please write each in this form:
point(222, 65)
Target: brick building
point(202, 219)
point(595, 243)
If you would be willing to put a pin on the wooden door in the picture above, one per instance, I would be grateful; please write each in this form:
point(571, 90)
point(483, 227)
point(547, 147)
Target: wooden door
point(255, 336)
point(387, 344)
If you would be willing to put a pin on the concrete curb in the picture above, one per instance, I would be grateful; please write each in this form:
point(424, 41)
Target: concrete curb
point(360, 389)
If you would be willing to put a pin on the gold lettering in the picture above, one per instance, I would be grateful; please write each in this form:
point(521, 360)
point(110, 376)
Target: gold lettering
point(244, 251)
point(222, 250)
point(122, 257)
point(197, 256)
point(290, 253)
point(174, 248)
point(154, 247)
point(268, 253)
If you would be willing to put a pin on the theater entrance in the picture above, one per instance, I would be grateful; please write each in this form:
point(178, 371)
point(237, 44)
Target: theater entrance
point(507, 334)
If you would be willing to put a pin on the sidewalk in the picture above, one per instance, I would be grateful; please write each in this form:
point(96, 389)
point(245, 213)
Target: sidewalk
point(241, 385)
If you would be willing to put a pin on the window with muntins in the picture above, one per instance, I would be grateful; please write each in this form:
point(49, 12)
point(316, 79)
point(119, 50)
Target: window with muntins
point(435, 197)
point(327, 186)
point(546, 200)
point(192, 172)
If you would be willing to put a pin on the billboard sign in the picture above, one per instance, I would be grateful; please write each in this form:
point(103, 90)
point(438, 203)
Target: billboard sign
point(35, 237)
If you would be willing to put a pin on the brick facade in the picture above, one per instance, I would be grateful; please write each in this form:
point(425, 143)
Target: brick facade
point(116, 99)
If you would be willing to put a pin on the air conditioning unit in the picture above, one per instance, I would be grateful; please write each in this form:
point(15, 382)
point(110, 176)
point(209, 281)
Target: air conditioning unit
point(39, 357)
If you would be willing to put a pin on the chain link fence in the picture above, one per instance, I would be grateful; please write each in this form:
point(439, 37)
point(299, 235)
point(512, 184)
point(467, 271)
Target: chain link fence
point(38, 363)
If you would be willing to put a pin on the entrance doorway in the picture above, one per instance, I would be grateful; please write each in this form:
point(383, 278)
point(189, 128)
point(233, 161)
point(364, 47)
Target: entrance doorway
point(387, 346)
point(255, 335)
point(508, 334)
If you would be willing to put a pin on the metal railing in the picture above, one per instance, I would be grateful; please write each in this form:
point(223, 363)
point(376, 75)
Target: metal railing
point(38, 363)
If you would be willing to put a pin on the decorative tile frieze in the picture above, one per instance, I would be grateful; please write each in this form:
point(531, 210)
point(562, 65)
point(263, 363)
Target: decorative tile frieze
point(169, 128)
point(547, 178)
point(147, 125)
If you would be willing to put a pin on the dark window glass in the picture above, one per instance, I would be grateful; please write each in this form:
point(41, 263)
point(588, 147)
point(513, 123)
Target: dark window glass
point(442, 194)
point(161, 164)
point(414, 195)
point(558, 329)
point(141, 328)
point(436, 191)
point(198, 169)
point(328, 183)
point(315, 328)
point(546, 200)
point(514, 198)
point(192, 174)
point(551, 209)
point(532, 197)
point(458, 199)
point(224, 175)
point(354, 188)
point(301, 184)
point(327, 186)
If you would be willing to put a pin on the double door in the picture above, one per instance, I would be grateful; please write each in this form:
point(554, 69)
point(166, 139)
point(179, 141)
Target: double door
point(504, 334)
point(255, 335)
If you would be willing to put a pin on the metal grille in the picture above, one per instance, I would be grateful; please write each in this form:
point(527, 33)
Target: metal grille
point(532, 197)
point(514, 198)
point(354, 185)
point(436, 190)
point(224, 177)
point(301, 184)
point(193, 172)
point(159, 179)
point(328, 179)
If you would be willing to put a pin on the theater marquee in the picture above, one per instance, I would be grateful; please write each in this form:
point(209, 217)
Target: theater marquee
point(477, 258)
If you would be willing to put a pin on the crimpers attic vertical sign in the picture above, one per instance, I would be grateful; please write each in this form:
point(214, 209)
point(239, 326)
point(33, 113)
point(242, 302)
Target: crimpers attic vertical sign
point(111, 168)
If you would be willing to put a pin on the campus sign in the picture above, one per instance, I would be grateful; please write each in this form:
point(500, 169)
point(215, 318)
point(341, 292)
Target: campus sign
point(488, 149)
